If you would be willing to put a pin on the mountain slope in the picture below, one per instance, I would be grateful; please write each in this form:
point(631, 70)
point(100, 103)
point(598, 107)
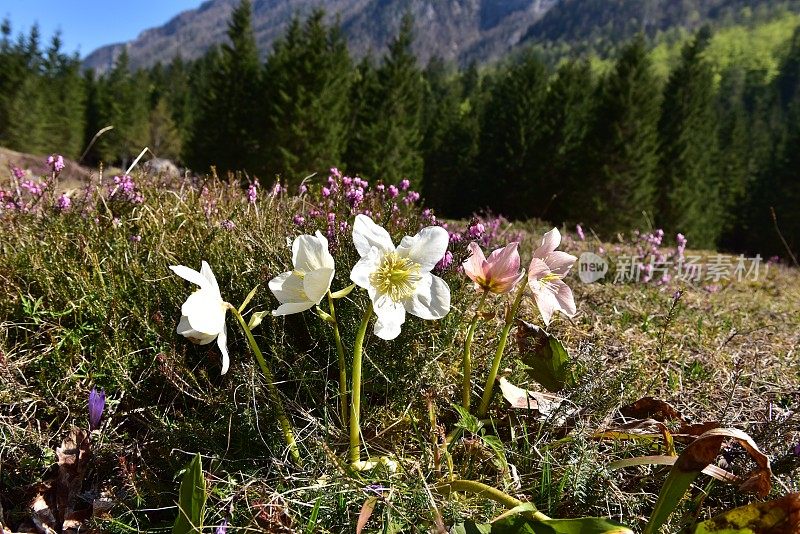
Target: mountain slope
point(457, 30)
point(460, 30)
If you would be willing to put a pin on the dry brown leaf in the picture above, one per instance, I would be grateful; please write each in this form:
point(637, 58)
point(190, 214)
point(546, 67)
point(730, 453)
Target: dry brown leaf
point(705, 449)
point(652, 408)
point(544, 403)
point(366, 512)
point(52, 508)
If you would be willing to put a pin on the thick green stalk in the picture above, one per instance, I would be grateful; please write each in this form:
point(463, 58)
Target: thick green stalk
point(272, 391)
point(489, 492)
point(355, 403)
point(343, 405)
point(498, 355)
point(466, 391)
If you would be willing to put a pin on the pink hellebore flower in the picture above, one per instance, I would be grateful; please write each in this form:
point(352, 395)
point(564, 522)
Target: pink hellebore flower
point(545, 278)
point(499, 273)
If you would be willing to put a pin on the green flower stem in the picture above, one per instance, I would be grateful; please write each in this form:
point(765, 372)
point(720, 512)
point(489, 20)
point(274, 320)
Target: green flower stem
point(272, 391)
point(343, 404)
point(355, 404)
point(498, 355)
point(466, 391)
point(489, 492)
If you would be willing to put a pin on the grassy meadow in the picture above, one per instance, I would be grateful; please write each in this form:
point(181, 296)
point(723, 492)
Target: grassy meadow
point(88, 301)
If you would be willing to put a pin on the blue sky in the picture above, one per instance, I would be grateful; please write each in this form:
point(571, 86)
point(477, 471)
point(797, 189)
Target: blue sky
point(89, 24)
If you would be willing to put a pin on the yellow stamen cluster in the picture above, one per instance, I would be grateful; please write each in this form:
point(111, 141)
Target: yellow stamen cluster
point(396, 277)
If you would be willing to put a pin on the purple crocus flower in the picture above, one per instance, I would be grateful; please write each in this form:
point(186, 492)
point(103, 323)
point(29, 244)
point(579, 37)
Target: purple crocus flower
point(97, 403)
point(222, 528)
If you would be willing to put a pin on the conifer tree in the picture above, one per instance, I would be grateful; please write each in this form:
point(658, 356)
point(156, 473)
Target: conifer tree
point(450, 143)
point(387, 134)
point(227, 129)
point(308, 76)
point(512, 140)
point(569, 116)
point(689, 187)
point(624, 152)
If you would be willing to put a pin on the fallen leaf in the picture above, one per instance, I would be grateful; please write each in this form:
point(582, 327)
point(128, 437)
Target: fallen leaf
point(366, 512)
point(780, 516)
point(544, 403)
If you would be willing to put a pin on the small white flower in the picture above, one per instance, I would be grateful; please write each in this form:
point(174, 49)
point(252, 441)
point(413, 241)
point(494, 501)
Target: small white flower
point(399, 280)
point(546, 278)
point(305, 286)
point(203, 313)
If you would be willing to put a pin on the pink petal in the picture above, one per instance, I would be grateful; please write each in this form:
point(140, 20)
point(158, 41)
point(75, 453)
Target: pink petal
point(563, 294)
point(474, 266)
point(537, 269)
point(504, 262)
point(550, 242)
point(560, 262)
point(547, 304)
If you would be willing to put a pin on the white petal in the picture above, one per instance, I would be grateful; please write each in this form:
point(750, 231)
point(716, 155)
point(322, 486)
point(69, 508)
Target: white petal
point(206, 271)
point(310, 253)
point(205, 311)
point(367, 234)
point(317, 283)
point(365, 267)
point(288, 287)
point(222, 342)
point(190, 274)
point(391, 316)
point(293, 307)
point(550, 242)
point(431, 300)
point(185, 329)
point(426, 248)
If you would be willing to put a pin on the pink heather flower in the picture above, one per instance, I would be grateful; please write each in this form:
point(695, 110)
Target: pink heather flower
point(476, 230)
point(393, 191)
point(545, 278)
point(302, 189)
point(64, 202)
point(380, 187)
point(34, 188)
point(411, 197)
point(136, 238)
point(228, 224)
point(347, 181)
point(336, 173)
point(498, 274)
point(445, 262)
point(56, 162)
point(18, 173)
point(252, 192)
point(579, 230)
point(455, 237)
point(299, 220)
point(331, 217)
point(404, 184)
point(326, 192)
point(276, 189)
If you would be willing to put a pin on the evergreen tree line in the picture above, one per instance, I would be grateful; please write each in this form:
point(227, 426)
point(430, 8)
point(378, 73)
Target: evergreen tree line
point(706, 153)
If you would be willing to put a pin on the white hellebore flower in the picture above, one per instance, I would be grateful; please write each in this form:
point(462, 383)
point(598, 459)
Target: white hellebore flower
point(399, 280)
point(203, 313)
point(305, 286)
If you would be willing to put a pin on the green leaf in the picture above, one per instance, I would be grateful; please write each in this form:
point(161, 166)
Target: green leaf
point(494, 443)
point(248, 299)
point(518, 524)
point(256, 319)
point(191, 499)
point(467, 421)
point(546, 359)
point(342, 292)
point(779, 515)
